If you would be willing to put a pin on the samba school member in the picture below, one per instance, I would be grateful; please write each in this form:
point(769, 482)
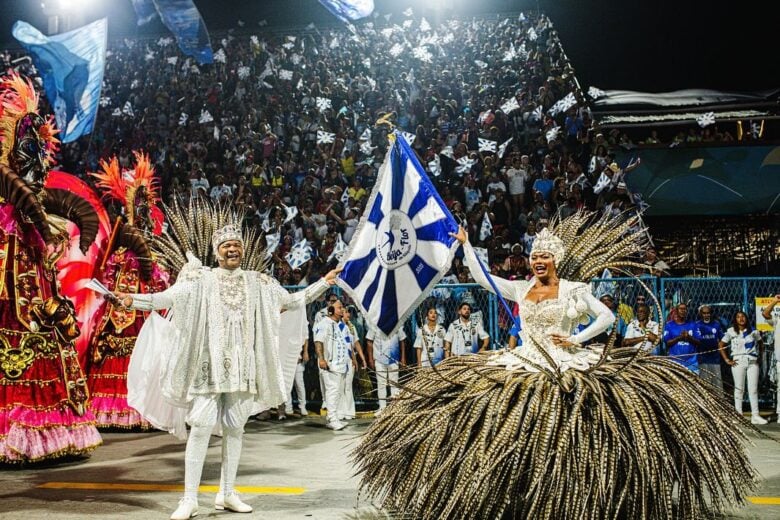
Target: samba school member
point(558, 428)
point(128, 266)
point(43, 390)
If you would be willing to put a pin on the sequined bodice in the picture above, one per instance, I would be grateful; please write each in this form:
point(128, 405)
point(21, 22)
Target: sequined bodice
point(544, 316)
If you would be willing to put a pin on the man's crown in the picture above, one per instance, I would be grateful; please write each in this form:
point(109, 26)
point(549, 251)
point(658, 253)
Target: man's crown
point(223, 234)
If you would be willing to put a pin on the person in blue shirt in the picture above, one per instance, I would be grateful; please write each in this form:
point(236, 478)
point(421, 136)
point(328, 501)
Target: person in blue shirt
point(544, 185)
point(680, 339)
point(745, 346)
point(709, 331)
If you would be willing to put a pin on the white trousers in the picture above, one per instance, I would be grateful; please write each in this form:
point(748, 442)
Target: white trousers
point(386, 377)
point(746, 367)
point(710, 372)
point(300, 389)
point(347, 404)
point(334, 389)
point(231, 411)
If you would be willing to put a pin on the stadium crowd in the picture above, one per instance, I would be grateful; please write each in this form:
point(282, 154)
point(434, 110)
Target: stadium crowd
point(245, 128)
point(285, 126)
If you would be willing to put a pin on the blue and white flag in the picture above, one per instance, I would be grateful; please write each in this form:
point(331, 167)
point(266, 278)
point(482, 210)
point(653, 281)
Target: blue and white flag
point(402, 245)
point(349, 10)
point(71, 66)
point(144, 11)
point(300, 253)
point(183, 19)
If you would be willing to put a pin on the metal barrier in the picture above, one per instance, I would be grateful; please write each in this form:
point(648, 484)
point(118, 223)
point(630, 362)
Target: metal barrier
point(726, 296)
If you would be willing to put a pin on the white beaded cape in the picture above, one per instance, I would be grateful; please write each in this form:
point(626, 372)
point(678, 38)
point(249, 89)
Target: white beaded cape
point(226, 334)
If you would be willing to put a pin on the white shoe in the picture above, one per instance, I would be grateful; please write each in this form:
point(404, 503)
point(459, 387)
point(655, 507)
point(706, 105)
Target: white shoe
point(231, 502)
point(304, 412)
point(188, 507)
point(757, 419)
point(336, 425)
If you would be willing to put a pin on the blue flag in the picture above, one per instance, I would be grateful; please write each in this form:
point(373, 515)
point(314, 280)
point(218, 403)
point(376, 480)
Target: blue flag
point(183, 19)
point(144, 11)
point(402, 245)
point(349, 10)
point(71, 66)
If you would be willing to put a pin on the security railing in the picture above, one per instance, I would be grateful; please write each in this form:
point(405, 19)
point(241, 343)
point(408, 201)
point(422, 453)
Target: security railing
point(725, 296)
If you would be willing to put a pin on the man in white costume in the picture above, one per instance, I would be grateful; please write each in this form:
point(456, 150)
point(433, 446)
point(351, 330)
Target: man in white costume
point(225, 360)
point(331, 342)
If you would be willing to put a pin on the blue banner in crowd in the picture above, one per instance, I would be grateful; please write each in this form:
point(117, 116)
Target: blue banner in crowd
point(349, 10)
point(71, 66)
point(184, 21)
point(402, 246)
point(144, 11)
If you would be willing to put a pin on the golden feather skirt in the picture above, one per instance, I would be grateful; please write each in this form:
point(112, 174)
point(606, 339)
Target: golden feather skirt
point(635, 437)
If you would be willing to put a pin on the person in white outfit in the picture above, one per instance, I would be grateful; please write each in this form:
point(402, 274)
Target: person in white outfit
point(346, 409)
point(773, 317)
point(429, 342)
point(642, 332)
point(387, 357)
point(464, 335)
point(319, 317)
point(298, 383)
point(745, 346)
point(225, 360)
point(332, 347)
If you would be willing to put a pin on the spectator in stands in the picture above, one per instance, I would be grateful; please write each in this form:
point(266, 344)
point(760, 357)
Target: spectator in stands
point(517, 177)
point(220, 192)
point(528, 237)
point(709, 332)
point(608, 299)
point(642, 332)
point(199, 184)
point(656, 266)
point(680, 339)
point(745, 346)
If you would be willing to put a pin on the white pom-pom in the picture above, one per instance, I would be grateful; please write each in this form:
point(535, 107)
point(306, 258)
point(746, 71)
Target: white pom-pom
point(571, 313)
point(581, 306)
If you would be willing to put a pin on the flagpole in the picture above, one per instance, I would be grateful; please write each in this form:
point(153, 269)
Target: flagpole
point(498, 293)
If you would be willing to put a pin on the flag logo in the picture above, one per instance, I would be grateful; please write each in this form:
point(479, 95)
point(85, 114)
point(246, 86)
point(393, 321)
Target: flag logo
point(396, 240)
point(402, 245)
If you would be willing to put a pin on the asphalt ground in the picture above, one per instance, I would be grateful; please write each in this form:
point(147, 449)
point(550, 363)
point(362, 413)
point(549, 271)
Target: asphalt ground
point(293, 469)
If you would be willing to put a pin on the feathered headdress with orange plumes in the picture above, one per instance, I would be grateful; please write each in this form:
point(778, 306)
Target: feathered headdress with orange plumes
point(18, 99)
point(123, 186)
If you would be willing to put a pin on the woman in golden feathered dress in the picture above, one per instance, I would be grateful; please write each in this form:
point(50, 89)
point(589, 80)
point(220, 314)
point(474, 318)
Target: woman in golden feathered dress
point(557, 428)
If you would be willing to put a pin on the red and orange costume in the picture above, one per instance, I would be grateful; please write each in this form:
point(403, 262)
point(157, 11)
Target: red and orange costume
point(43, 390)
point(130, 268)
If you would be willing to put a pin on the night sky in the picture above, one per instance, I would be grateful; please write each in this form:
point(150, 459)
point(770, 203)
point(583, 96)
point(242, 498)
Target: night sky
point(651, 46)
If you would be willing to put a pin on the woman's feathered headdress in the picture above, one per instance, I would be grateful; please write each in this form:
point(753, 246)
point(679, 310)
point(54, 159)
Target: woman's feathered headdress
point(126, 186)
point(19, 100)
